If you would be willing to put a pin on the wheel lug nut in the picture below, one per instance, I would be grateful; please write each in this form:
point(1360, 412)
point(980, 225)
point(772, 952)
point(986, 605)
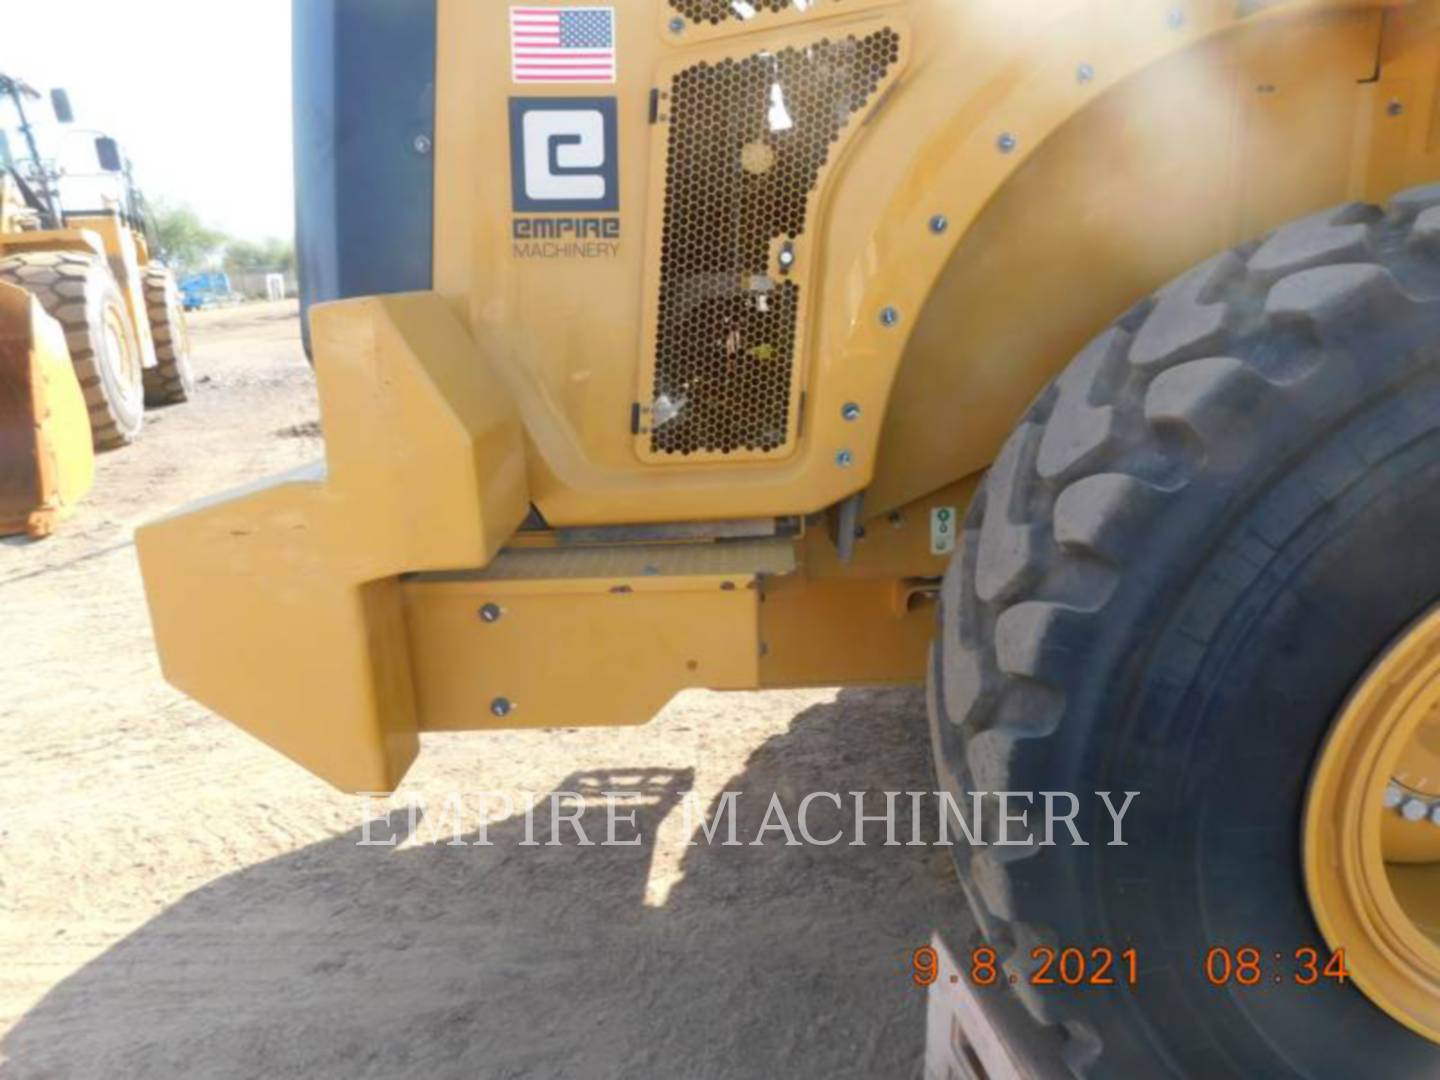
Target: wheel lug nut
point(1393, 796)
point(1415, 810)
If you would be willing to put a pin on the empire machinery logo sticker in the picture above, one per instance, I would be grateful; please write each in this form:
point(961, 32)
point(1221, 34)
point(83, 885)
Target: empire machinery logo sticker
point(564, 151)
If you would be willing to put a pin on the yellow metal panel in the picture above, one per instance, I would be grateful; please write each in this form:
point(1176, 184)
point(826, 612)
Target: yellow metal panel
point(420, 435)
point(1398, 131)
point(1198, 153)
point(86, 241)
point(47, 463)
point(279, 605)
point(576, 652)
point(253, 621)
point(844, 632)
point(1300, 90)
point(869, 619)
point(568, 334)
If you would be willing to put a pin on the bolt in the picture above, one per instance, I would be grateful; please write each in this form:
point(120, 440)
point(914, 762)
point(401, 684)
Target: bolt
point(1395, 108)
point(1176, 18)
point(939, 223)
point(1415, 810)
point(490, 613)
point(422, 144)
point(1435, 815)
point(889, 316)
point(844, 459)
point(1085, 73)
point(851, 412)
point(677, 25)
point(1007, 143)
point(1394, 796)
point(897, 519)
point(787, 257)
point(501, 707)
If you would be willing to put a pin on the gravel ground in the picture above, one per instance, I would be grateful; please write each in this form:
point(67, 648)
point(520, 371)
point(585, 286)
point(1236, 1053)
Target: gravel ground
point(178, 901)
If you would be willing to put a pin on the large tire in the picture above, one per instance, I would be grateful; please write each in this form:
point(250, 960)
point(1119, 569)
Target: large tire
point(172, 380)
point(1197, 541)
point(80, 292)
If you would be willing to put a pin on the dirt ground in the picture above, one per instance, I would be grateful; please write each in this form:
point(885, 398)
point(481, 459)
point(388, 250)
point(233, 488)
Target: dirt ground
point(176, 900)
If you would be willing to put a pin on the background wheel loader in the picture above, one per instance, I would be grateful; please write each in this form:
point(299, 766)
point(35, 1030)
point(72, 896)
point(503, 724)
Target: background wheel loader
point(75, 237)
point(670, 341)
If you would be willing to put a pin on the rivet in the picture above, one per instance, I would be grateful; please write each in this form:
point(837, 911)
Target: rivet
point(490, 613)
point(677, 25)
point(1085, 73)
point(844, 459)
point(422, 144)
point(1395, 108)
point(851, 411)
point(1007, 143)
point(939, 223)
point(889, 316)
point(501, 707)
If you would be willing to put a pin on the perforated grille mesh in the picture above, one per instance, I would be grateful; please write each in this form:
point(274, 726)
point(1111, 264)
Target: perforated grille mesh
point(748, 139)
point(715, 12)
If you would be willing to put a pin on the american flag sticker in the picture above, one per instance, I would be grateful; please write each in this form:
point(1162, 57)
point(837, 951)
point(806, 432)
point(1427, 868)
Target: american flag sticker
point(562, 44)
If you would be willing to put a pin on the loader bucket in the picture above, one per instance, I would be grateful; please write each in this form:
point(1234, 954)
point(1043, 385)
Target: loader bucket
point(47, 462)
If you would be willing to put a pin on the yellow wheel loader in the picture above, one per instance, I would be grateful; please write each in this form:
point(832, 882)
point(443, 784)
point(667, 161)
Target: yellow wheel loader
point(76, 239)
point(694, 343)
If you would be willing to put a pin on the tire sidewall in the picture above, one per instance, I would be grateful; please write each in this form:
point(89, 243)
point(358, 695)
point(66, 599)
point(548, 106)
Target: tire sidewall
point(1219, 733)
point(179, 336)
point(126, 395)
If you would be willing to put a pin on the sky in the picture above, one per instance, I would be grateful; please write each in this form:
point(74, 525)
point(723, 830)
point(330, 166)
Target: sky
point(197, 93)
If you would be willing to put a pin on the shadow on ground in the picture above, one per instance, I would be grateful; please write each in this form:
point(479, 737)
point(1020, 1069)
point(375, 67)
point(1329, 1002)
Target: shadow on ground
point(511, 961)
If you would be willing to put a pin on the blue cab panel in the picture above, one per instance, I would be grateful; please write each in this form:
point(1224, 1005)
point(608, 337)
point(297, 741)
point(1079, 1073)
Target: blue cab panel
point(364, 147)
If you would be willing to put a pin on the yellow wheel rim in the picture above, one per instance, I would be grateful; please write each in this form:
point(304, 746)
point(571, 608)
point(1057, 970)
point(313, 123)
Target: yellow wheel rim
point(1372, 831)
point(127, 362)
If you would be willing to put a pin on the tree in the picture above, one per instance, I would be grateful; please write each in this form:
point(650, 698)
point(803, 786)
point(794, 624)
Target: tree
point(185, 241)
point(271, 256)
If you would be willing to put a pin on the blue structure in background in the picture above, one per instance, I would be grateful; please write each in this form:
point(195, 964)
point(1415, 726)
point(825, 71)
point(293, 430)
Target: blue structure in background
point(202, 290)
